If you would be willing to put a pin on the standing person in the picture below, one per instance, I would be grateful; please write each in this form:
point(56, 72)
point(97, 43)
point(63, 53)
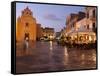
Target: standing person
point(27, 42)
point(26, 45)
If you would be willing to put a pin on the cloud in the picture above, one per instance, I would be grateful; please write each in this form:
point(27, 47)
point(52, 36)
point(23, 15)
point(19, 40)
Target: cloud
point(52, 17)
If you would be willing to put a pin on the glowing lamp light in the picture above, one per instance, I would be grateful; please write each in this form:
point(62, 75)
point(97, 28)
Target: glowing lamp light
point(90, 39)
point(50, 37)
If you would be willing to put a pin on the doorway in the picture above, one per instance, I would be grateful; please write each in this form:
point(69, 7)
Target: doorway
point(26, 36)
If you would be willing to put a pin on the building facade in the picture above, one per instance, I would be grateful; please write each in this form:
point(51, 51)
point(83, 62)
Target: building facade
point(48, 32)
point(72, 19)
point(70, 22)
point(82, 27)
point(39, 32)
point(88, 22)
point(91, 16)
point(26, 26)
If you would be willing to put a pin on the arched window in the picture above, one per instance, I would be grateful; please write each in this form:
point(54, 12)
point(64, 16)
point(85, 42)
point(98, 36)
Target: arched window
point(27, 24)
point(26, 12)
point(93, 25)
point(87, 26)
point(94, 13)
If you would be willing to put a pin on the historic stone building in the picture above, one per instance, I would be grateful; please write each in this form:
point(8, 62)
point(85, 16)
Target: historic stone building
point(39, 31)
point(47, 32)
point(91, 16)
point(70, 21)
point(88, 22)
point(26, 26)
point(82, 26)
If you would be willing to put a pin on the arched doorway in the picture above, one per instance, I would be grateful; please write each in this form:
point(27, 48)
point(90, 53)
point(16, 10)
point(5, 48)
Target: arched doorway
point(26, 36)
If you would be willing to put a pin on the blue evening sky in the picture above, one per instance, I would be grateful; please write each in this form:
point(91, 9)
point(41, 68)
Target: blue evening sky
point(53, 16)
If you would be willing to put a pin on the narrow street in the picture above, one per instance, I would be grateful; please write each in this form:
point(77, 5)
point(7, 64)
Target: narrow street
point(49, 56)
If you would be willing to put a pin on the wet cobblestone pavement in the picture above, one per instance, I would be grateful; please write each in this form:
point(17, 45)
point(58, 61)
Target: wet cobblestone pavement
point(48, 56)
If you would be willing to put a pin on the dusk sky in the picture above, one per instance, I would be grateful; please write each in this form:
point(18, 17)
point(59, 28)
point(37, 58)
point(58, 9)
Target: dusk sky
point(53, 16)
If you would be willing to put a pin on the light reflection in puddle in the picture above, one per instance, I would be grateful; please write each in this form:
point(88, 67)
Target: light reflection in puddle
point(83, 59)
point(65, 56)
point(94, 57)
point(51, 45)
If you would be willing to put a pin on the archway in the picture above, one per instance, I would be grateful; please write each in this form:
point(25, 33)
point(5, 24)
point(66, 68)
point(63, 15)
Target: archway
point(26, 36)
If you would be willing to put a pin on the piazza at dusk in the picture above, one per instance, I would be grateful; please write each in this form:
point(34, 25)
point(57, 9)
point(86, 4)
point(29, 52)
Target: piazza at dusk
point(55, 38)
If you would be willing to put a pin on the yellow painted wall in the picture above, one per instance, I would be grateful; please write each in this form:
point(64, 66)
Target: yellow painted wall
point(21, 28)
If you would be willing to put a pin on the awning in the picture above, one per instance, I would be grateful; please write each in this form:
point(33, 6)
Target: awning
point(89, 32)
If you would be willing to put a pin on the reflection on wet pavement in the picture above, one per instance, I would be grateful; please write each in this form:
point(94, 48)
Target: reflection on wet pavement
point(48, 56)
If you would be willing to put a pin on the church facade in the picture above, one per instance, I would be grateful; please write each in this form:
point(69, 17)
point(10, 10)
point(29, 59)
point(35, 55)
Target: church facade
point(26, 26)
